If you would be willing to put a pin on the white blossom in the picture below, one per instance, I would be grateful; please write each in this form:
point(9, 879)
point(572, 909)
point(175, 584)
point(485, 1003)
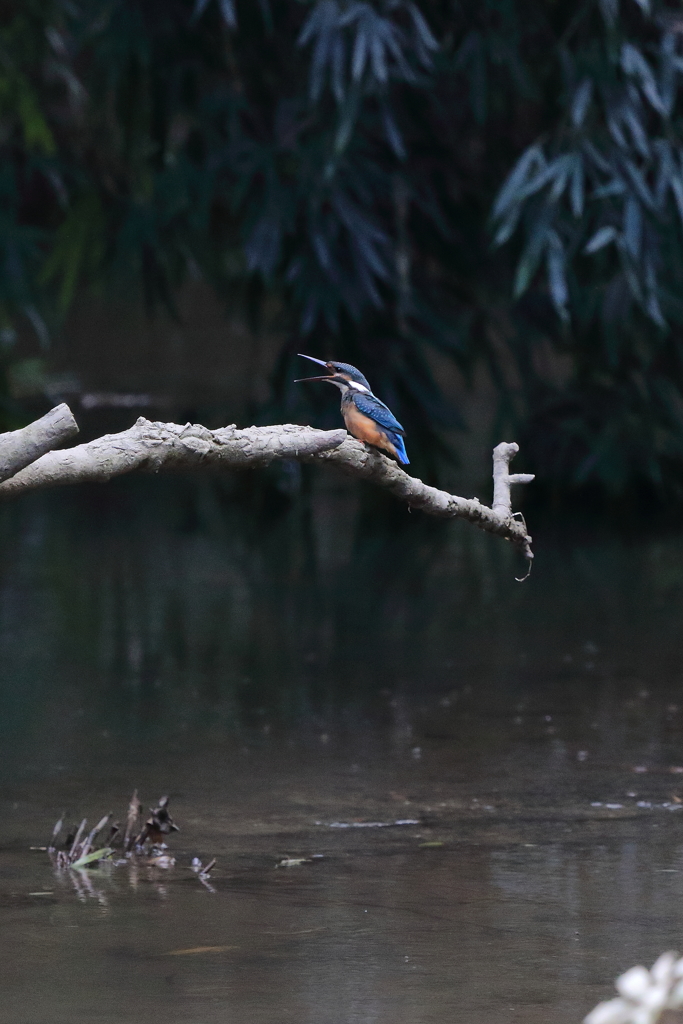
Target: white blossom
point(643, 995)
point(634, 984)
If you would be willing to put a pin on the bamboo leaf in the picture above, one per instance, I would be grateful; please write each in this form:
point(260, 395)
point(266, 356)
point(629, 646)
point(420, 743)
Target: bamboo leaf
point(610, 11)
point(228, 11)
point(600, 239)
point(531, 160)
point(508, 227)
point(422, 28)
point(633, 63)
point(531, 257)
point(392, 133)
point(360, 54)
point(581, 102)
point(37, 134)
point(576, 189)
point(633, 226)
point(91, 858)
point(557, 281)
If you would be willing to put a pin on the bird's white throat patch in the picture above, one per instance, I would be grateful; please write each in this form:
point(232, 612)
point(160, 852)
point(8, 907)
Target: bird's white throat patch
point(359, 387)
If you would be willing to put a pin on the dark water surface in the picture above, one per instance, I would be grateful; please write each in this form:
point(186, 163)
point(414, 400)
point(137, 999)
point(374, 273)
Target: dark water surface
point(280, 682)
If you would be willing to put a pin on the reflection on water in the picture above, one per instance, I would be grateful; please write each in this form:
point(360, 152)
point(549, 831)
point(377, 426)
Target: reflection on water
point(279, 679)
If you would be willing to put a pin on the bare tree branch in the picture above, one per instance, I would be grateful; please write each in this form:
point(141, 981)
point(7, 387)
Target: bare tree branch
point(155, 446)
point(20, 448)
point(355, 458)
point(152, 447)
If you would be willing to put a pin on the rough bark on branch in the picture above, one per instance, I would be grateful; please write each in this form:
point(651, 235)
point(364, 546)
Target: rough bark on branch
point(154, 446)
point(19, 448)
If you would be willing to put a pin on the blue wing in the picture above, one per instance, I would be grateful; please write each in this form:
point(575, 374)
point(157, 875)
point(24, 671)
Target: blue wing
point(384, 417)
point(378, 412)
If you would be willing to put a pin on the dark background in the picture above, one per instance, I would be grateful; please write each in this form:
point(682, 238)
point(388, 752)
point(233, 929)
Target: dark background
point(479, 203)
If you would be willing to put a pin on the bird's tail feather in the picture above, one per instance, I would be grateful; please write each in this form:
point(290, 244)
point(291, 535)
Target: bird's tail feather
point(401, 453)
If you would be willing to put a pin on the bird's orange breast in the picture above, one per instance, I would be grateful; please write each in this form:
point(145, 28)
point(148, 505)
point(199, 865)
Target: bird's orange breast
point(365, 429)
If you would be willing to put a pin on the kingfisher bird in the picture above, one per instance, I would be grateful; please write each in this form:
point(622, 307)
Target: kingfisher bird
point(365, 416)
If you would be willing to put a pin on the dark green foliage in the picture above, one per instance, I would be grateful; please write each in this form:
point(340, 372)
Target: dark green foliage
point(500, 181)
point(597, 199)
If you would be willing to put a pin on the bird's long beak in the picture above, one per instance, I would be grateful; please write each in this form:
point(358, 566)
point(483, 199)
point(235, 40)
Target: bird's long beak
point(320, 362)
point(304, 380)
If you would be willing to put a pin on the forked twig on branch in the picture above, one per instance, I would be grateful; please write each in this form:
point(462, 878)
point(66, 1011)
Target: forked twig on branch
point(152, 447)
